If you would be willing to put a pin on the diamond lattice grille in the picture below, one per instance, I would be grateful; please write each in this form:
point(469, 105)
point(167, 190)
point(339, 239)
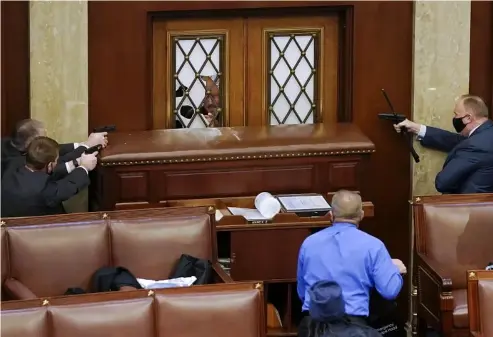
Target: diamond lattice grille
point(198, 64)
point(292, 78)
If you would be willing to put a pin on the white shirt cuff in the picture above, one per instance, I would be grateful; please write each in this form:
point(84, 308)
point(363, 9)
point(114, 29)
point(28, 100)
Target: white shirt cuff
point(68, 167)
point(82, 167)
point(422, 132)
point(76, 145)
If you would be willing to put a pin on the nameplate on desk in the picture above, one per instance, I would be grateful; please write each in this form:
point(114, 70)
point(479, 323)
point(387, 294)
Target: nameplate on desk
point(259, 222)
point(305, 205)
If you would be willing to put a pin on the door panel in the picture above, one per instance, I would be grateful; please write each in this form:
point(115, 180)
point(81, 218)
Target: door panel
point(269, 260)
point(292, 70)
point(198, 69)
point(246, 71)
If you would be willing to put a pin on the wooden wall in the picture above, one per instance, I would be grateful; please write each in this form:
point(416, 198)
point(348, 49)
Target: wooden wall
point(15, 56)
point(120, 88)
point(481, 64)
point(119, 81)
point(15, 63)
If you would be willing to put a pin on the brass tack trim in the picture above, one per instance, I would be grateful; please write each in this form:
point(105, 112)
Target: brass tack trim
point(210, 209)
point(242, 157)
point(45, 303)
point(415, 291)
point(105, 216)
point(150, 293)
point(258, 285)
point(418, 199)
point(472, 275)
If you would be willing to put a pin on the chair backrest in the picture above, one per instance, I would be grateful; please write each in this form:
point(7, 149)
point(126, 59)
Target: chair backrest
point(480, 301)
point(455, 232)
point(220, 310)
point(51, 254)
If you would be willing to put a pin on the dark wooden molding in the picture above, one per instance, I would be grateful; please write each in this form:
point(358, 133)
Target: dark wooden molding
point(481, 53)
point(15, 70)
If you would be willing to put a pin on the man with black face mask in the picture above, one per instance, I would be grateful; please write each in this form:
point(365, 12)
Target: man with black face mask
point(32, 190)
point(469, 164)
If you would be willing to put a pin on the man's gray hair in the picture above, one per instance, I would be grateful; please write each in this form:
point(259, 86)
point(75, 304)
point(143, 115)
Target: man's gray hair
point(347, 205)
point(25, 131)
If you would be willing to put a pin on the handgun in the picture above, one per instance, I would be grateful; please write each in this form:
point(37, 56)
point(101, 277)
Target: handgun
point(396, 119)
point(106, 128)
point(93, 149)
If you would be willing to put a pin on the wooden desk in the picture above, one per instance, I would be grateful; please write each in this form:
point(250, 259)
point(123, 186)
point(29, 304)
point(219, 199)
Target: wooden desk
point(145, 169)
point(266, 252)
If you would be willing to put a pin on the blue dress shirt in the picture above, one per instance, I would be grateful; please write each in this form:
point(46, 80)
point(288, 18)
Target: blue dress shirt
point(354, 259)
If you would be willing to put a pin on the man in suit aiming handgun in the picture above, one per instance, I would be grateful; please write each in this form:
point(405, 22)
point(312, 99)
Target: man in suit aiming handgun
point(14, 148)
point(469, 164)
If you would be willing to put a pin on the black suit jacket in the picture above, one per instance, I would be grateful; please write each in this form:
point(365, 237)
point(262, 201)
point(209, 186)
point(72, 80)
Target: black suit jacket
point(13, 158)
point(469, 164)
point(27, 193)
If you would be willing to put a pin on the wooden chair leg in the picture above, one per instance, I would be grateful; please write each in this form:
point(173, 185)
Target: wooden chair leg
point(418, 327)
point(414, 305)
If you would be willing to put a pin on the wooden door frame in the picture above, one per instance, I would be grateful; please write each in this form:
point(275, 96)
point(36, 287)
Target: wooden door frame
point(252, 9)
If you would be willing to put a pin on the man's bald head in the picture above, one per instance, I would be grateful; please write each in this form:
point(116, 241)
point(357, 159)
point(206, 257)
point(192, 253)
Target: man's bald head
point(470, 112)
point(25, 131)
point(347, 205)
point(473, 105)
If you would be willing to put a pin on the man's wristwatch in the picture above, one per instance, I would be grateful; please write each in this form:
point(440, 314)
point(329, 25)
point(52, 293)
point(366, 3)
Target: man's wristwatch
point(75, 162)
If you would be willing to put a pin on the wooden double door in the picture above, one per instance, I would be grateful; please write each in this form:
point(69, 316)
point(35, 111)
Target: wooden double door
point(245, 71)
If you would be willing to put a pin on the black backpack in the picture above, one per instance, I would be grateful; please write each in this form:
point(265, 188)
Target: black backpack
point(188, 266)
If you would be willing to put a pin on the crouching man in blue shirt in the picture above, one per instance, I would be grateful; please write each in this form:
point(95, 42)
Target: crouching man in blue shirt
point(357, 261)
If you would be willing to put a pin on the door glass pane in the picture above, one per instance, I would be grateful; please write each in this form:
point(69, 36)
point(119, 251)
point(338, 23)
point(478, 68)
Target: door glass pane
point(198, 66)
point(292, 77)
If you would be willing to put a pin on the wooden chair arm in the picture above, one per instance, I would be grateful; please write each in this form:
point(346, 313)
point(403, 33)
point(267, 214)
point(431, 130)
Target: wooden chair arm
point(436, 273)
point(17, 290)
point(220, 275)
point(434, 291)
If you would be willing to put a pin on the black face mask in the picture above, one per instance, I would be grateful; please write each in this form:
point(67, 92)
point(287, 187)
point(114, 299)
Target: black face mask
point(458, 123)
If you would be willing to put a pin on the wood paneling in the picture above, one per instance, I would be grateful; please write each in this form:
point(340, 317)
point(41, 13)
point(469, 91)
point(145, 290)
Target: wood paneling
point(271, 269)
point(380, 34)
point(154, 184)
point(15, 63)
point(481, 63)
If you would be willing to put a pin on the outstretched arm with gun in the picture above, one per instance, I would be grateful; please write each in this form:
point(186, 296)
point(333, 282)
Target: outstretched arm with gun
point(431, 137)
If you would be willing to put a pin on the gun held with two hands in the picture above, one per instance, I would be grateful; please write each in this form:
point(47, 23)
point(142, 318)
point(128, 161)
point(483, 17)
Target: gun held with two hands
point(99, 147)
point(92, 149)
point(396, 119)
